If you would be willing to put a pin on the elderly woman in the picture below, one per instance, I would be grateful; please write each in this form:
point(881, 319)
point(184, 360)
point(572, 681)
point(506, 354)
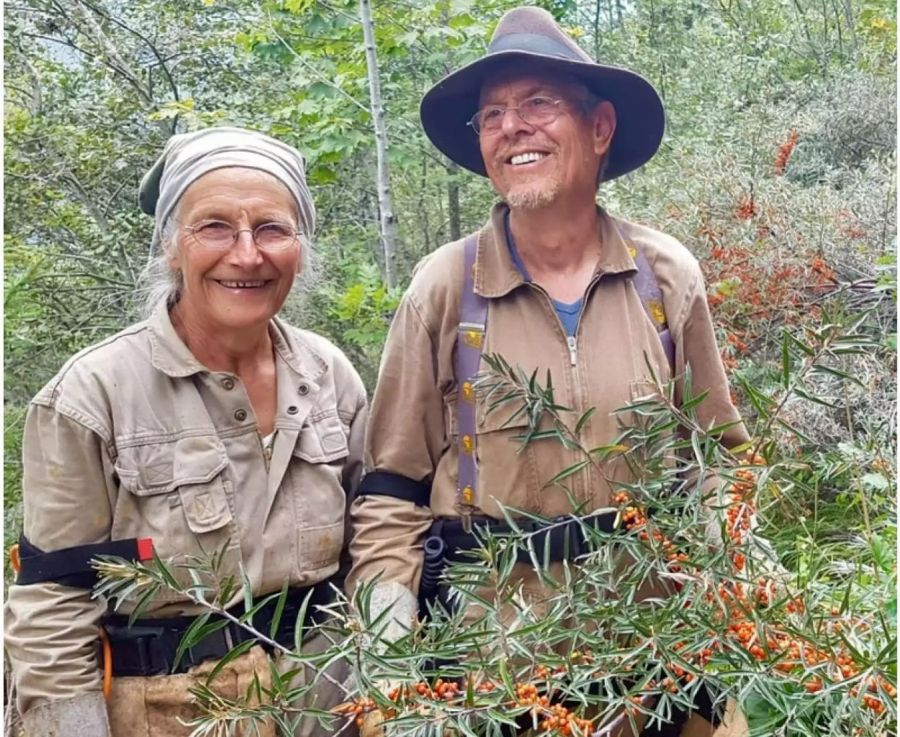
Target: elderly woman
point(212, 427)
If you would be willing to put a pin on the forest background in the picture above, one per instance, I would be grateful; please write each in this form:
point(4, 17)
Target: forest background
point(778, 171)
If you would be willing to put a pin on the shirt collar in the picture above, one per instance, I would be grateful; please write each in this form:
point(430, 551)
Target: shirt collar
point(496, 273)
point(169, 354)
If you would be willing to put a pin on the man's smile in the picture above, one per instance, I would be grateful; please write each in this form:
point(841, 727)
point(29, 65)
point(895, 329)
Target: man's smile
point(528, 157)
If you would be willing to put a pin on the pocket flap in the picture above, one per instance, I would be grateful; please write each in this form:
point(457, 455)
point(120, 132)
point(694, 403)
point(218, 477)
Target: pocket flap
point(322, 440)
point(500, 418)
point(161, 468)
point(205, 506)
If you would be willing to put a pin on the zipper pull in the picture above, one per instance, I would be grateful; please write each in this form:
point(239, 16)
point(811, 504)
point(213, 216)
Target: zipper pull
point(465, 515)
point(573, 349)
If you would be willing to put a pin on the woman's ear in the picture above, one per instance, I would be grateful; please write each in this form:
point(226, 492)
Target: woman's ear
point(169, 246)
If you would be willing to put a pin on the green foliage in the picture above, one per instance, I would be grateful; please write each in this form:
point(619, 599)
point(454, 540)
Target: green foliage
point(13, 418)
point(651, 614)
point(797, 242)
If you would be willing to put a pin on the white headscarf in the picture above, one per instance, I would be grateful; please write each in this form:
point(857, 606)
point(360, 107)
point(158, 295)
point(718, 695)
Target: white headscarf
point(188, 156)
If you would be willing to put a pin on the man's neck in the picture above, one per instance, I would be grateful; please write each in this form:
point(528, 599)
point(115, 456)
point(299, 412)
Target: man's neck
point(557, 238)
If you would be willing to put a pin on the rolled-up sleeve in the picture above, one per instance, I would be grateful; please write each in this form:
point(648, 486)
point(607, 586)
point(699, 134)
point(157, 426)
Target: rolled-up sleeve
point(356, 440)
point(406, 437)
point(699, 351)
point(51, 629)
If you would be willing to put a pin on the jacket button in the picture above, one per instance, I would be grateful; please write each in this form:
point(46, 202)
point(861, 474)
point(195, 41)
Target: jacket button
point(228, 383)
point(292, 410)
point(303, 390)
point(240, 415)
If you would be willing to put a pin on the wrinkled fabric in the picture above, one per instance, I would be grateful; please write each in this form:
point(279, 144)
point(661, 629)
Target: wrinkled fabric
point(163, 707)
point(617, 353)
point(135, 438)
point(414, 429)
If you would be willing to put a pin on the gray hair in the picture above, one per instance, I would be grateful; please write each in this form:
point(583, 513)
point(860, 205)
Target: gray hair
point(159, 281)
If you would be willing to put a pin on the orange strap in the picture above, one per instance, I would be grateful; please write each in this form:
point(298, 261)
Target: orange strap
point(14, 557)
point(107, 663)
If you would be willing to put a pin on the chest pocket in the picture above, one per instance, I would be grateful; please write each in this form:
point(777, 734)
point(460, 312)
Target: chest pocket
point(317, 468)
point(507, 470)
point(176, 493)
point(322, 440)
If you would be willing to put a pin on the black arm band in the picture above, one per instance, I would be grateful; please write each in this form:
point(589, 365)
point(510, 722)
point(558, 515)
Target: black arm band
point(72, 566)
point(400, 487)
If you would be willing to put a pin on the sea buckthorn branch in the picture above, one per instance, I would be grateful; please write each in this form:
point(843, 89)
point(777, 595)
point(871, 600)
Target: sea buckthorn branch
point(597, 648)
point(787, 650)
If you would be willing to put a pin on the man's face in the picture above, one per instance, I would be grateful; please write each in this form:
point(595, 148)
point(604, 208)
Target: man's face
point(534, 165)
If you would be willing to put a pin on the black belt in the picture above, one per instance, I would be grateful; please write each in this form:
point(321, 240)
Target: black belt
point(561, 538)
point(148, 647)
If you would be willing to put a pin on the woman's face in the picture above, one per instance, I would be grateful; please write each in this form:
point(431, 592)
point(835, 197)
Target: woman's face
point(243, 286)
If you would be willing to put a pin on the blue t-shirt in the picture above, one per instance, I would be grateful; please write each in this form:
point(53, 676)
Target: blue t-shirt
point(568, 312)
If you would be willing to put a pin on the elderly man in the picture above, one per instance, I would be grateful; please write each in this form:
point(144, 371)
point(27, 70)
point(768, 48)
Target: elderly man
point(550, 282)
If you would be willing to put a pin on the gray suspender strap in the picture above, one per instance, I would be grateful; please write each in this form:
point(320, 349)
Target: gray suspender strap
point(473, 317)
point(470, 338)
point(651, 298)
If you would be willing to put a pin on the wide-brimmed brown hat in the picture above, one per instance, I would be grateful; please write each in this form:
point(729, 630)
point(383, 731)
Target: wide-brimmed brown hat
point(531, 37)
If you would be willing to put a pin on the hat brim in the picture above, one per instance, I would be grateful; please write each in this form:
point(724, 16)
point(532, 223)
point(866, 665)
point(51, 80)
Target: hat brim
point(451, 103)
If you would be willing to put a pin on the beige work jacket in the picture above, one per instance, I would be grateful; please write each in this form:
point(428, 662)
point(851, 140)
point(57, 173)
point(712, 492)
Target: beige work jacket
point(413, 423)
point(135, 438)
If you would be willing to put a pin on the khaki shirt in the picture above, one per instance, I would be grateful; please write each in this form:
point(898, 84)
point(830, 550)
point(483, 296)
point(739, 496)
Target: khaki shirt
point(135, 438)
point(413, 425)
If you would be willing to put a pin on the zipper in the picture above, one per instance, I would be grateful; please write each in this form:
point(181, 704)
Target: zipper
point(572, 340)
point(572, 345)
point(573, 350)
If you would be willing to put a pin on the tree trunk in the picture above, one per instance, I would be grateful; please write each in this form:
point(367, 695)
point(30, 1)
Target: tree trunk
point(453, 203)
point(388, 224)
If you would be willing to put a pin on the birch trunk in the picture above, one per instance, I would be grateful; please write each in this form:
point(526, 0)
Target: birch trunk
point(388, 223)
point(453, 203)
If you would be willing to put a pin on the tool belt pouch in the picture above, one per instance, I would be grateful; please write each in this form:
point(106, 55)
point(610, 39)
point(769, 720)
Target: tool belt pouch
point(148, 646)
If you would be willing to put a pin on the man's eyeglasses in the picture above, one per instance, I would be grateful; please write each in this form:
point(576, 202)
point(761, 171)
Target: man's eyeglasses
point(217, 235)
point(536, 110)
